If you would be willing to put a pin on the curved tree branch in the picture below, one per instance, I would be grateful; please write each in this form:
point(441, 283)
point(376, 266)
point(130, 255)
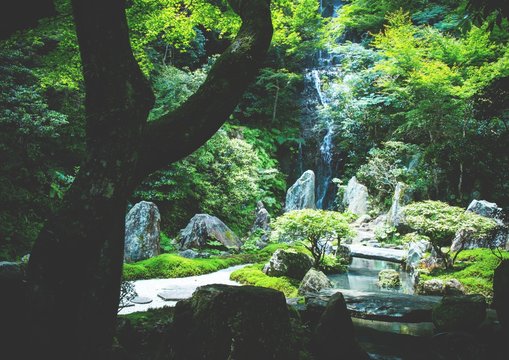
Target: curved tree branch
point(184, 130)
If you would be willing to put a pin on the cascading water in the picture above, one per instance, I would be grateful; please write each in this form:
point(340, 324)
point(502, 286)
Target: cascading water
point(325, 164)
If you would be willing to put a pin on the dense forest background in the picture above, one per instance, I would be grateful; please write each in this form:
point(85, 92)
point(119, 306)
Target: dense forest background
point(420, 94)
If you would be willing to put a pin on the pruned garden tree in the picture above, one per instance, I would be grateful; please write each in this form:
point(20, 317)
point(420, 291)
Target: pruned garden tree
point(75, 266)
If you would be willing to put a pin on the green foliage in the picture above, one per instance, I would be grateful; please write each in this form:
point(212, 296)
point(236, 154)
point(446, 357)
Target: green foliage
point(387, 234)
point(440, 221)
point(332, 265)
point(314, 228)
point(394, 162)
point(253, 275)
point(166, 244)
point(221, 178)
point(474, 269)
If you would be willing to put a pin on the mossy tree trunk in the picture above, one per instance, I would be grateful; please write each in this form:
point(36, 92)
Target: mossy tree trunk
point(75, 266)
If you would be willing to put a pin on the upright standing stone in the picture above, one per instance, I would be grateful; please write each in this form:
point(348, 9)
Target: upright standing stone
point(401, 198)
point(142, 228)
point(356, 197)
point(301, 195)
point(261, 223)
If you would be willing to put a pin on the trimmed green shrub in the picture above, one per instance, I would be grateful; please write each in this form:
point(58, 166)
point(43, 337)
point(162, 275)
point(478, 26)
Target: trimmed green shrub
point(315, 229)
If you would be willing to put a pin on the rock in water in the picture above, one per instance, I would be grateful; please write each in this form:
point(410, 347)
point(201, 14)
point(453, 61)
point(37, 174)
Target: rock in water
point(334, 336)
point(389, 279)
point(460, 313)
point(501, 293)
point(288, 263)
point(401, 198)
point(313, 282)
point(301, 195)
point(440, 287)
point(142, 227)
point(206, 231)
point(355, 198)
point(464, 239)
point(233, 322)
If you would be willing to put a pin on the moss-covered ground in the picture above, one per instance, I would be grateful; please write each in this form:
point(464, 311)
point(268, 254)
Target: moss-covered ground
point(175, 266)
point(474, 269)
point(253, 275)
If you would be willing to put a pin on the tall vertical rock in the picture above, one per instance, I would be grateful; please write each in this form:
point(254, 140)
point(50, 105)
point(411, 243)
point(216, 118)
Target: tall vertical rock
point(261, 224)
point(301, 195)
point(401, 198)
point(142, 230)
point(356, 197)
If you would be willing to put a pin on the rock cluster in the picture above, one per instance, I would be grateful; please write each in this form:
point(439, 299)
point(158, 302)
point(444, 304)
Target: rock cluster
point(288, 263)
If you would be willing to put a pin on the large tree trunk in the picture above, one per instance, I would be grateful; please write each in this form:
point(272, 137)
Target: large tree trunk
point(75, 266)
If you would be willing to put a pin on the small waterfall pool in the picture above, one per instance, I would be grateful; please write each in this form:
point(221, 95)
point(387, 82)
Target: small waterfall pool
point(362, 275)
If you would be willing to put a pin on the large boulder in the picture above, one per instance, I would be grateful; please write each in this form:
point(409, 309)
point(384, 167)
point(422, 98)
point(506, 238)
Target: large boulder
point(288, 263)
point(459, 313)
point(401, 197)
point(389, 279)
point(440, 287)
point(301, 195)
point(465, 239)
point(334, 336)
point(355, 198)
point(313, 282)
point(501, 293)
point(207, 231)
point(142, 228)
point(232, 322)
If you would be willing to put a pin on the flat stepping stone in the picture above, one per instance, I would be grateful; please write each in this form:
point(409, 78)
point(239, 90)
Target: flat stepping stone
point(370, 252)
point(141, 300)
point(175, 295)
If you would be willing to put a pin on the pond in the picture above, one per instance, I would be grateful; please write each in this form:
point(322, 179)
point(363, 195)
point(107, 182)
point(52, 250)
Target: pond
point(362, 275)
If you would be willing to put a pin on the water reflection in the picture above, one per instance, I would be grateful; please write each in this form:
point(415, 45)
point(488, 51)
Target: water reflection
point(362, 275)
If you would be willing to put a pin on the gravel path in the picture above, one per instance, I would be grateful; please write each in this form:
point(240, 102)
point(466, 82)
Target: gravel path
point(173, 290)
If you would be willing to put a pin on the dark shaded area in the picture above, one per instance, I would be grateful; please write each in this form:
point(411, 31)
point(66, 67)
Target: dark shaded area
point(22, 14)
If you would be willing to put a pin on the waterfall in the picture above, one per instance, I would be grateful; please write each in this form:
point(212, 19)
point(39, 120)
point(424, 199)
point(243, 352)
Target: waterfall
point(316, 95)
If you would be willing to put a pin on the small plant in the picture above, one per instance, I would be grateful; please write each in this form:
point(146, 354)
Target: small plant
point(315, 229)
point(387, 234)
point(127, 293)
point(166, 244)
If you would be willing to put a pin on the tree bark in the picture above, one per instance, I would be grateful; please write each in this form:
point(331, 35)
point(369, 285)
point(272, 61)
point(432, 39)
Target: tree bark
point(75, 266)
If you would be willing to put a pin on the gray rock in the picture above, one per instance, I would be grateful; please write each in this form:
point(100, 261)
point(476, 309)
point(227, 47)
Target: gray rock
point(501, 293)
point(415, 253)
point(355, 198)
point(189, 254)
point(314, 281)
point(301, 195)
point(261, 224)
point(401, 197)
point(233, 322)
point(440, 287)
point(460, 313)
point(288, 263)
point(335, 332)
point(142, 227)
point(485, 208)
point(202, 229)
point(465, 239)
point(344, 254)
point(389, 279)
point(363, 220)
point(141, 300)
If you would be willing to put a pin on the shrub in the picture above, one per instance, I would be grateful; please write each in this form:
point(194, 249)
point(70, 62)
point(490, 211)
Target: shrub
point(440, 222)
point(315, 229)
